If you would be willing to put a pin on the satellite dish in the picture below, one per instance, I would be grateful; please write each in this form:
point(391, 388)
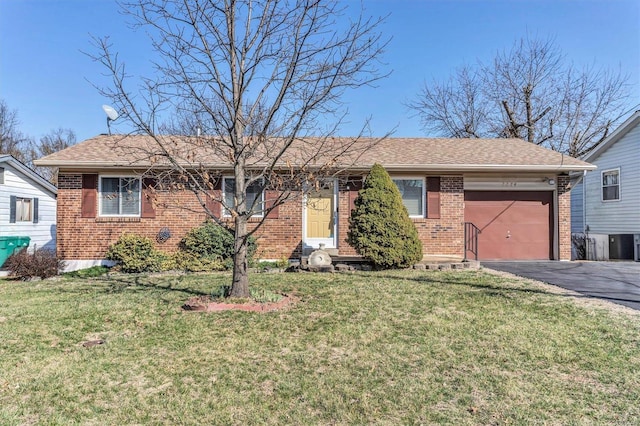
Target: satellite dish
point(112, 114)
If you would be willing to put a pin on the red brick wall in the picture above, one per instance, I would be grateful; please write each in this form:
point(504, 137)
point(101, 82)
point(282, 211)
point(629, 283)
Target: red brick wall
point(88, 238)
point(564, 218)
point(444, 236)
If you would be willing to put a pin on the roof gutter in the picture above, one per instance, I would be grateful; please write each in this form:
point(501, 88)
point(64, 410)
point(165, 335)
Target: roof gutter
point(390, 167)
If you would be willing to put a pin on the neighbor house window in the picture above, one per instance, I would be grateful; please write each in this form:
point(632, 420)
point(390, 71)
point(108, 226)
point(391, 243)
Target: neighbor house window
point(119, 196)
point(1, 175)
point(24, 209)
point(412, 191)
point(254, 195)
point(611, 185)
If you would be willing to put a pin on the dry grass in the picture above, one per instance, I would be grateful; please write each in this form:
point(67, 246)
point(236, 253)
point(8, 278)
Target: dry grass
point(398, 347)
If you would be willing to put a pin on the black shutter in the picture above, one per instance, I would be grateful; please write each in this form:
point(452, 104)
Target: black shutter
point(35, 210)
point(12, 210)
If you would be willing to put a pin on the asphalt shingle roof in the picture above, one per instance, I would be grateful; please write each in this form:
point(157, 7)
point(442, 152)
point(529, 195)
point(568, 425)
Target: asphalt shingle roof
point(410, 154)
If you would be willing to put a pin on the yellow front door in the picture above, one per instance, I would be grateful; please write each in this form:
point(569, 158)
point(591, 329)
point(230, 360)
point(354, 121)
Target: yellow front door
point(320, 211)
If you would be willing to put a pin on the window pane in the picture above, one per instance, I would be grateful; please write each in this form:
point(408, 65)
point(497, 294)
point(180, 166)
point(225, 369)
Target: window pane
point(130, 195)
point(109, 194)
point(412, 191)
point(610, 178)
point(229, 189)
point(610, 193)
point(253, 192)
point(23, 210)
point(611, 185)
point(119, 196)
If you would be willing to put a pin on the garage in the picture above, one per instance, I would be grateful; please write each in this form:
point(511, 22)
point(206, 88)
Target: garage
point(513, 225)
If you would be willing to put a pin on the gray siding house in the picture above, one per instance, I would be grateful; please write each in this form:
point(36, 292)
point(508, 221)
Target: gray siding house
point(27, 204)
point(605, 204)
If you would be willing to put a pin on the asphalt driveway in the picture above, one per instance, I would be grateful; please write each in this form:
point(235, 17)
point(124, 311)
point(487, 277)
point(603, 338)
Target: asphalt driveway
point(617, 282)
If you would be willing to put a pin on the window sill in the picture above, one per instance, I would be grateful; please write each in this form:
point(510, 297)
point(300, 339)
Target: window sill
point(117, 219)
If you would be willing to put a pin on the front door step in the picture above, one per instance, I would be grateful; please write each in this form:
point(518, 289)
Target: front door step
point(333, 252)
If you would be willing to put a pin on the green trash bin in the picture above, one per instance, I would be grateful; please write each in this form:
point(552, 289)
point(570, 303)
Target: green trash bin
point(9, 245)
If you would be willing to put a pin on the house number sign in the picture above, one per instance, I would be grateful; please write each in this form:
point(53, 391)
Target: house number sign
point(510, 184)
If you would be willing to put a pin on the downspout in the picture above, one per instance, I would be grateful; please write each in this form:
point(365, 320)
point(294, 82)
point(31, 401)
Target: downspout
point(585, 228)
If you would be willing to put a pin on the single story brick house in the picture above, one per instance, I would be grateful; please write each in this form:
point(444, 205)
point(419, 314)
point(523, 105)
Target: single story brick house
point(510, 194)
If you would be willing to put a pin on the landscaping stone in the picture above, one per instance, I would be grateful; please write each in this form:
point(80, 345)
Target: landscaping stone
point(321, 268)
point(343, 267)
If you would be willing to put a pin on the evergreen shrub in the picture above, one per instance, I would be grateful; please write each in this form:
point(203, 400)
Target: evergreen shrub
point(380, 228)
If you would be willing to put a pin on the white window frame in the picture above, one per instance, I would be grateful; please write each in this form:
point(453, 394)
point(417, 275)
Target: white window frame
point(225, 211)
point(119, 176)
point(424, 192)
point(20, 202)
point(602, 185)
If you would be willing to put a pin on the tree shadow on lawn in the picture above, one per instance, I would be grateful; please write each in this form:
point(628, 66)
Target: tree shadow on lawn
point(466, 280)
point(119, 283)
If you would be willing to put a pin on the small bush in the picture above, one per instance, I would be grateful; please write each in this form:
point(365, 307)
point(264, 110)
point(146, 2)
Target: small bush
point(262, 295)
point(580, 241)
point(42, 263)
point(212, 241)
point(192, 263)
point(379, 227)
point(134, 253)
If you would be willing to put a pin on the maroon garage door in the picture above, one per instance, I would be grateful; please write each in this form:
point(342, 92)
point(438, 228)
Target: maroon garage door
point(513, 225)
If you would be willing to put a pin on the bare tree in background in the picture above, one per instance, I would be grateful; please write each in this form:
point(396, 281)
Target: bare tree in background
point(12, 140)
point(260, 80)
point(531, 93)
point(54, 141)
point(24, 148)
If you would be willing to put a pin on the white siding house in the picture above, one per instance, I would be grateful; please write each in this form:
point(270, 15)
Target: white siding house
point(27, 204)
point(606, 204)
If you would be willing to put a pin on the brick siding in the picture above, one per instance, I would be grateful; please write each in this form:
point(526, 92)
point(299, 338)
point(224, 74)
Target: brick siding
point(564, 218)
point(88, 238)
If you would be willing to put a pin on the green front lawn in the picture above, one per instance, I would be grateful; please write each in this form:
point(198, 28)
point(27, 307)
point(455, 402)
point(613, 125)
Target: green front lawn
point(398, 347)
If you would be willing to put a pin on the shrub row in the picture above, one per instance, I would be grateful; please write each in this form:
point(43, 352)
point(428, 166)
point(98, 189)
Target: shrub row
point(208, 247)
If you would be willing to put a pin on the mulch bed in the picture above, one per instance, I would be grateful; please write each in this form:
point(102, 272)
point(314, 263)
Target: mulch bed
point(207, 304)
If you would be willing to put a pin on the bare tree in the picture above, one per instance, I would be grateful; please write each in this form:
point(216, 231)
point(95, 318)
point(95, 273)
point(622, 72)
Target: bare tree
point(54, 141)
point(528, 92)
point(12, 141)
point(454, 108)
point(260, 80)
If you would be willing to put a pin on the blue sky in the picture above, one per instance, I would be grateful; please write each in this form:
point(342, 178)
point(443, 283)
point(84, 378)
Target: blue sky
point(45, 76)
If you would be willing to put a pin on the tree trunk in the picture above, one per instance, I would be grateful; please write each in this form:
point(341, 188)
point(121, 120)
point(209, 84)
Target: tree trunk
point(240, 284)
